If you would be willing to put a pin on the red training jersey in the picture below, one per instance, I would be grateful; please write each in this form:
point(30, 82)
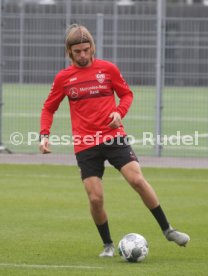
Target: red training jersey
point(91, 94)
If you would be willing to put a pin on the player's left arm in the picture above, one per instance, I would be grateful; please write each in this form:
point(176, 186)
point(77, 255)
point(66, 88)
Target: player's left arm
point(123, 92)
point(125, 95)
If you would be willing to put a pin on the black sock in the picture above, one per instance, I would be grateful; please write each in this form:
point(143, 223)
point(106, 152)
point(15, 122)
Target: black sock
point(160, 217)
point(104, 231)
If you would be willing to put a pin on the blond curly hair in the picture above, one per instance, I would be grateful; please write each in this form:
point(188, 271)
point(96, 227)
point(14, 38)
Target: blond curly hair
point(76, 34)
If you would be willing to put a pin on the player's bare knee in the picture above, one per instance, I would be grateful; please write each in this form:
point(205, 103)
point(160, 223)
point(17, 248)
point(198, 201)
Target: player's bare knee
point(96, 202)
point(138, 182)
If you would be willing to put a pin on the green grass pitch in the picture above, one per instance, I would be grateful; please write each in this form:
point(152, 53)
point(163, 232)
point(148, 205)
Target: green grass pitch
point(184, 109)
point(46, 228)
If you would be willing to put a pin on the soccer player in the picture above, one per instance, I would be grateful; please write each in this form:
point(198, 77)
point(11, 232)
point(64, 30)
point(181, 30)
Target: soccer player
point(90, 85)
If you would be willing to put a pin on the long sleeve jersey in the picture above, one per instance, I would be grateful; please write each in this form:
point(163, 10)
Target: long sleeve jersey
point(91, 95)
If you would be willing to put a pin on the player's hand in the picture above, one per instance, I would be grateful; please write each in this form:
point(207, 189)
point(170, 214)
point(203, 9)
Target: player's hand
point(116, 120)
point(44, 145)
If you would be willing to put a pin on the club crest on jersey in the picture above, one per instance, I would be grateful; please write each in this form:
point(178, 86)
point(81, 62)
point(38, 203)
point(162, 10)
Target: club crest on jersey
point(100, 78)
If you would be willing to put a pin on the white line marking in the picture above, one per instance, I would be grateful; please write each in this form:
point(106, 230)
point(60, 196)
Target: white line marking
point(49, 266)
point(203, 135)
point(152, 118)
point(129, 117)
point(31, 115)
point(114, 178)
point(56, 176)
point(195, 148)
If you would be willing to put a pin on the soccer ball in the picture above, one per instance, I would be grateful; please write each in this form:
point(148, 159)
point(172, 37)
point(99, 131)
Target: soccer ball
point(133, 248)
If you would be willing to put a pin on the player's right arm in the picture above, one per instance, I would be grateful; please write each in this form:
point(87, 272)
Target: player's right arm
point(44, 144)
point(50, 106)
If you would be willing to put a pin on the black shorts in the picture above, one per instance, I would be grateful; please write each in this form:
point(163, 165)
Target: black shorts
point(117, 152)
